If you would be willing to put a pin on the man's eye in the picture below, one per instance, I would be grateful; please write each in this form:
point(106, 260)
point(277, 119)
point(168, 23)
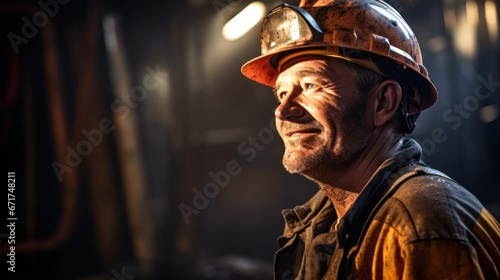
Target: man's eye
point(280, 95)
point(310, 87)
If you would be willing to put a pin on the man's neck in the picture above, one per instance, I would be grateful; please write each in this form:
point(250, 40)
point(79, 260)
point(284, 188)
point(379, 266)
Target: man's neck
point(345, 186)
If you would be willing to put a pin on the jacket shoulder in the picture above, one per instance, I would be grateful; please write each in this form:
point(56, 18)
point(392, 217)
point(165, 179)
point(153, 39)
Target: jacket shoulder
point(431, 207)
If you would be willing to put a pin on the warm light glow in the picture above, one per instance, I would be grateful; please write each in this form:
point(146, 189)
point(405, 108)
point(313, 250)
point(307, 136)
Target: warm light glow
point(244, 21)
point(489, 113)
point(436, 44)
point(464, 38)
point(472, 12)
point(490, 11)
point(465, 32)
point(450, 20)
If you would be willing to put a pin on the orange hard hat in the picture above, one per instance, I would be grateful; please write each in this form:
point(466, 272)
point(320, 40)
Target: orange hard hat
point(367, 32)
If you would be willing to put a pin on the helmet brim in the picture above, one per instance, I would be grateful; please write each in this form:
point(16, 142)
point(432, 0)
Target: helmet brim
point(260, 70)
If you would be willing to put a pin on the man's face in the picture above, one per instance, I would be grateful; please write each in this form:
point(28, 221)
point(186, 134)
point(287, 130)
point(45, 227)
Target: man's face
point(321, 116)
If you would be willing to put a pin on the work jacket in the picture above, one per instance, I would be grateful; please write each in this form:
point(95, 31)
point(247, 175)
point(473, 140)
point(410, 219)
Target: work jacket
point(408, 222)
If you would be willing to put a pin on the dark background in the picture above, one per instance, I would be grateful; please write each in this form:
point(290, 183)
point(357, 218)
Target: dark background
point(115, 212)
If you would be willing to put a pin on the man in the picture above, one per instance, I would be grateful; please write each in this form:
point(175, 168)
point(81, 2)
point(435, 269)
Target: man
point(350, 82)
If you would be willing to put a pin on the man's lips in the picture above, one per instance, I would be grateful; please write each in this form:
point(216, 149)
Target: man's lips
point(293, 129)
point(297, 132)
point(290, 129)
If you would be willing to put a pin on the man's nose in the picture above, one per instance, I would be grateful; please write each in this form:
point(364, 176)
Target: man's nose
point(289, 109)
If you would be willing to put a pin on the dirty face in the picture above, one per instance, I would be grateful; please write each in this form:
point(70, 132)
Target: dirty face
point(320, 117)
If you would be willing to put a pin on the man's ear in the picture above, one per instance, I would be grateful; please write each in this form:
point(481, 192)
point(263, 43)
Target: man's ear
point(386, 101)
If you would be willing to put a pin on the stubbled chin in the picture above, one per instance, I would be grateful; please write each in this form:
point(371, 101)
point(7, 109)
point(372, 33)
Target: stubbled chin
point(303, 154)
point(297, 160)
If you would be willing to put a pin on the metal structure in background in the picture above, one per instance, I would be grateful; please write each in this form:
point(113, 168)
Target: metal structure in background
point(129, 151)
point(69, 115)
point(61, 138)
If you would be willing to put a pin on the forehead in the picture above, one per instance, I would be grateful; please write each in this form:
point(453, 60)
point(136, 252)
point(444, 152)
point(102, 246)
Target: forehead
point(311, 66)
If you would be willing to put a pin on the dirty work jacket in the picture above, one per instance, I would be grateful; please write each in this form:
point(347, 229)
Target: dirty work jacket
point(421, 225)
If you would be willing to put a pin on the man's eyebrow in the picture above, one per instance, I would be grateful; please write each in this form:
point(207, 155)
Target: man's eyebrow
point(312, 72)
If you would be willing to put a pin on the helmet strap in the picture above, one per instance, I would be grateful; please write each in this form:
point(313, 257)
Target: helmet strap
point(409, 119)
